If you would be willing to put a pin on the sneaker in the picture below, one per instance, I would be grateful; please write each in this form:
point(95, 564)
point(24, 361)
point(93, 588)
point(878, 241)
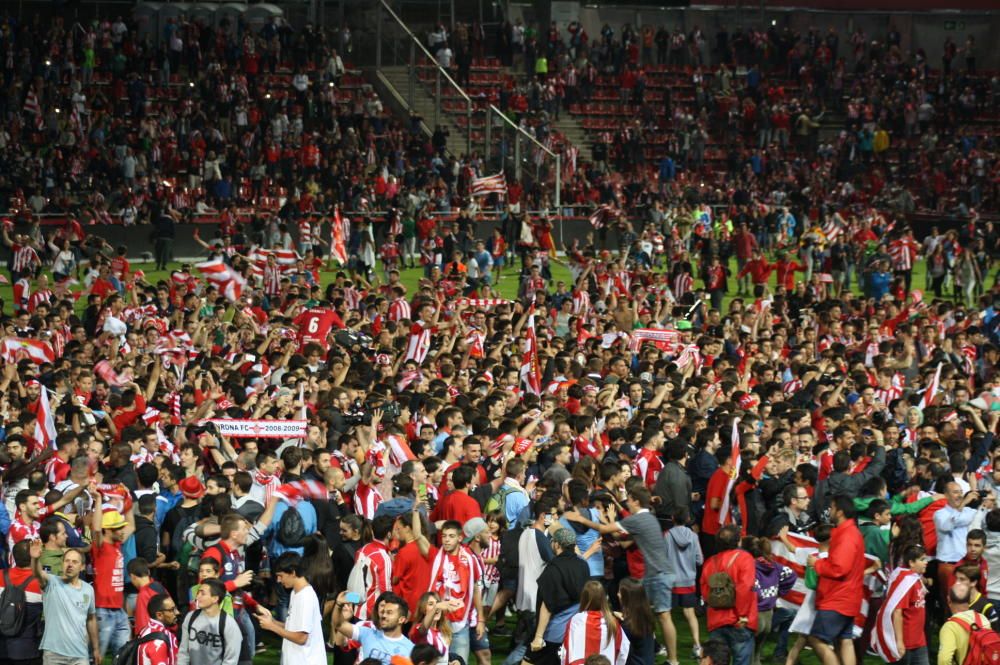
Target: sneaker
point(661, 651)
point(779, 656)
point(500, 630)
point(696, 652)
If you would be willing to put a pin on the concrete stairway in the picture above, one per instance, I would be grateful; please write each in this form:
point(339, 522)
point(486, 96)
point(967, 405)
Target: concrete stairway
point(397, 78)
point(573, 130)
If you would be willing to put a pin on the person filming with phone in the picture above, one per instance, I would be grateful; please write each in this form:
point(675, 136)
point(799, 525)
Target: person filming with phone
point(383, 640)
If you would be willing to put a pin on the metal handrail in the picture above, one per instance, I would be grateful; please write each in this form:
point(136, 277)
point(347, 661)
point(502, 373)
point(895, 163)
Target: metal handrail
point(528, 136)
point(420, 45)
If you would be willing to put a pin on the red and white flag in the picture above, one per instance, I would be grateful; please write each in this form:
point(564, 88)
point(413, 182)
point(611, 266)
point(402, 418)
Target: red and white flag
point(531, 371)
point(226, 280)
point(932, 389)
point(901, 582)
point(493, 184)
point(665, 340)
point(588, 634)
point(735, 462)
point(481, 302)
point(338, 250)
point(38, 351)
point(45, 432)
point(297, 490)
point(602, 216)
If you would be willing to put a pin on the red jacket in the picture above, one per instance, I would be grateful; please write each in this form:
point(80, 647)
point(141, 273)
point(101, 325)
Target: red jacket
point(841, 574)
point(741, 567)
point(758, 269)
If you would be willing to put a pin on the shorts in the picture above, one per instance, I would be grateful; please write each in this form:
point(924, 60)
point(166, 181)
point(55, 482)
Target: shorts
point(830, 626)
point(683, 600)
point(659, 591)
point(477, 644)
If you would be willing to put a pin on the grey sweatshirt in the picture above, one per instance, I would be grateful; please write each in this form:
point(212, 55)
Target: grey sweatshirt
point(684, 555)
point(201, 644)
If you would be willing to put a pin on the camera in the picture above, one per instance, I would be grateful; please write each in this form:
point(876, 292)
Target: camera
point(360, 413)
point(204, 428)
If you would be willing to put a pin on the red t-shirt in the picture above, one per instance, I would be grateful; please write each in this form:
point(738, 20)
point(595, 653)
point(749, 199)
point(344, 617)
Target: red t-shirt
point(914, 610)
point(411, 573)
point(109, 576)
point(146, 593)
point(457, 506)
point(716, 490)
point(314, 325)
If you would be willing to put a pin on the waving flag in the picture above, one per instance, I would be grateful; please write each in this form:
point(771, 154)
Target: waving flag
point(338, 250)
point(932, 389)
point(296, 490)
point(226, 280)
point(45, 432)
point(38, 351)
point(494, 184)
point(665, 340)
point(799, 599)
point(735, 462)
point(600, 217)
point(901, 581)
point(531, 371)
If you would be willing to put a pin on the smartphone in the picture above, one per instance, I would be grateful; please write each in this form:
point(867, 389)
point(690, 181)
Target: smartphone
point(353, 598)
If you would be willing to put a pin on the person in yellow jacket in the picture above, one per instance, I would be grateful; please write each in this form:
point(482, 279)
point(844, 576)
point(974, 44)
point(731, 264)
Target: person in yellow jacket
point(881, 141)
point(954, 636)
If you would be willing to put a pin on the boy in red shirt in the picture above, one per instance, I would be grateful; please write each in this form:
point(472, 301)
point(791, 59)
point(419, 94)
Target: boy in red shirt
point(110, 530)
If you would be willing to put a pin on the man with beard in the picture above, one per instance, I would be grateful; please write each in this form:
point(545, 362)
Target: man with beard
point(70, 614)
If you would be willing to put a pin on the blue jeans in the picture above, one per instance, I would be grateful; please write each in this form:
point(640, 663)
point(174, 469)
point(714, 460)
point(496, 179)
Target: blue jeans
point(779, 624)
point(739, 640)
point(516, 654)
point(460, 644)
point(249, 636)
point(112, 629)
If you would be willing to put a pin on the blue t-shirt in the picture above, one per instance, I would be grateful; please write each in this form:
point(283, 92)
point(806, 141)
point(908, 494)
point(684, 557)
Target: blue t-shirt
point(374, 644)
point(66, 610)
point(585, 539)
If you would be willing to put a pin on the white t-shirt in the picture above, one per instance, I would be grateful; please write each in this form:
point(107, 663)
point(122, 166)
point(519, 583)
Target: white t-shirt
point(304, 616)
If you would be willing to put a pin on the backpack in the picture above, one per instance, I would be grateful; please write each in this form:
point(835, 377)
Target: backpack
point(498, 501)
point(13, 604)
point(721, 588)
point(291, 528)
point(177, 537)
point(129, 653)
point(984, 643)
point(509, 559)
point(222, 630)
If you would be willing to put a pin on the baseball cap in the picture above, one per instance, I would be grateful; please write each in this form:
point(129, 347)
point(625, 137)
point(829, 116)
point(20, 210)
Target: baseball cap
point(112, 520)
point(473, 528)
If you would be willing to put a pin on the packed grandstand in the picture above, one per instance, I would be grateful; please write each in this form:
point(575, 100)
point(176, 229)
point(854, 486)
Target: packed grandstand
point(290, 367)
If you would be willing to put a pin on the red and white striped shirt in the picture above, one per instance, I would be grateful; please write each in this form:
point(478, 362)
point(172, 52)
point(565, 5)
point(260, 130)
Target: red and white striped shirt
point(377, 570)
point(904, 253)
point(420, 343)
point(399, 309)
point(39, 297)
point(682, 284)
point(366, 500)
point(272, 279)
point(25, 258)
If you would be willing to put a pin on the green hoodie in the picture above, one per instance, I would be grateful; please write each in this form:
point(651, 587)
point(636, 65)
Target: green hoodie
point(896, 505)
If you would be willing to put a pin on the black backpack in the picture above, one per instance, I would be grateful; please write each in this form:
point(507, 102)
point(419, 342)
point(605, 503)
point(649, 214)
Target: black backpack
point(291, 528)
point(13, 605)
point(509, 559)
point(129, 653)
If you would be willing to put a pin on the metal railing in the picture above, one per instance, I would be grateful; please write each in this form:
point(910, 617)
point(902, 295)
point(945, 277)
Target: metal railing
point(400, 46)
point(412, 61)
point(519, 135)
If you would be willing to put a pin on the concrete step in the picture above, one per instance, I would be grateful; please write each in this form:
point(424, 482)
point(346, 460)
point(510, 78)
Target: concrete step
point(398, 77)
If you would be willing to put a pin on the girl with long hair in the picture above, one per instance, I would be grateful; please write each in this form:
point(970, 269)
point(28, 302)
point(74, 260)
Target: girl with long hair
point(594, 629)
point(637, 622)
point(431, 625)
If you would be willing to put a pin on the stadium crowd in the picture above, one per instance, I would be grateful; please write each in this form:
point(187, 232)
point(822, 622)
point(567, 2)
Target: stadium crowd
point(381, 473)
